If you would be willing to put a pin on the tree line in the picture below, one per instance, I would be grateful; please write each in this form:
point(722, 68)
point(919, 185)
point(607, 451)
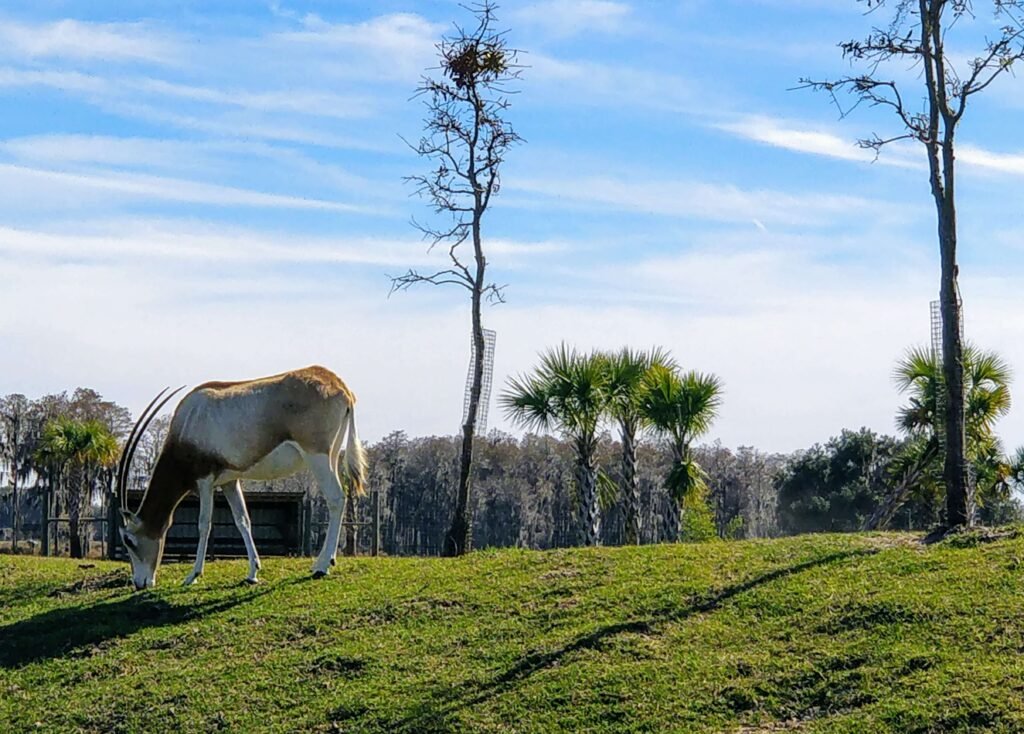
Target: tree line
point(59, 449)
point(616, 462)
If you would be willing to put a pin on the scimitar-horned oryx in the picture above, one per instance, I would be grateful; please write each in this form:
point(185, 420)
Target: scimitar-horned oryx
point(223, 432)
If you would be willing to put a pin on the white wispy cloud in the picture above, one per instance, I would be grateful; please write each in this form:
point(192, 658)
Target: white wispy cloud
point(78, 40)
point(53, 187)
point(597, 84)
point(698, 200)
point(312, 102)
point(245, 127)
point(107, 150)
point(212, 157)
point(157, 241)
point(805, 138)
point(563, 18)
point(506, 247)
point(163, 239)
point(157, 99)
point(393, 46)
point(971, 155)
point(71, 81)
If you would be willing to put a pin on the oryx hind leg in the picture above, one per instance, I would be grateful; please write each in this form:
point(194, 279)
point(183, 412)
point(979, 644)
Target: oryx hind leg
point(327, 479)
point(233, 494)
point(205, 489)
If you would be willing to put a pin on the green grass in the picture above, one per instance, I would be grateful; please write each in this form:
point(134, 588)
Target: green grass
point(856, 633)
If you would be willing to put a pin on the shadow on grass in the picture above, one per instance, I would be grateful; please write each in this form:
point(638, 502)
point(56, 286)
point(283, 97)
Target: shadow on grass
point(437, 714)
point(82, 630)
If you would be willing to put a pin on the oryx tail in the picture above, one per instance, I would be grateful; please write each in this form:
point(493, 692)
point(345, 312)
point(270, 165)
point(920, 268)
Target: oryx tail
point(354, 462)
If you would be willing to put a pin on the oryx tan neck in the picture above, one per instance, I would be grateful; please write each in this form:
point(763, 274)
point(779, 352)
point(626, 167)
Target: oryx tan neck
point(176, 474)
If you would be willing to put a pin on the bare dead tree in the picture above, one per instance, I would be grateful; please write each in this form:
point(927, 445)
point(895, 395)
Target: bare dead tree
point(916, 37)
point(466, 137)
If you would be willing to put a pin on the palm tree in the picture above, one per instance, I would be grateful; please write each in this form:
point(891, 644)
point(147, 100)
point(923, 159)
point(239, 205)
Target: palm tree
point(918, 469)
point(80, 450)
point(567, 392)
point(682, 408)
point(626, 370)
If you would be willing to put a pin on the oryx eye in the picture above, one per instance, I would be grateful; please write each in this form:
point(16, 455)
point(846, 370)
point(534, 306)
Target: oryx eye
point(130, 544)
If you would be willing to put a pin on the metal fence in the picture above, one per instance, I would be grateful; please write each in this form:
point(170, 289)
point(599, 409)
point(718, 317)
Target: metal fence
point(282, 523)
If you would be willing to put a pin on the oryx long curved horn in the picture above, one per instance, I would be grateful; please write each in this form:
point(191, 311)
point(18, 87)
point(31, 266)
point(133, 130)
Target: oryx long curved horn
point(119, 484)
point(124, 465)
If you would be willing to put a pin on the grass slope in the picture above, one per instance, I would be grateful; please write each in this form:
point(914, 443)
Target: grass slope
point(832, 633)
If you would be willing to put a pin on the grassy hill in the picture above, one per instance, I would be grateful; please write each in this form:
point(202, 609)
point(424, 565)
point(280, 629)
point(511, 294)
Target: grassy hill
point(864, 633)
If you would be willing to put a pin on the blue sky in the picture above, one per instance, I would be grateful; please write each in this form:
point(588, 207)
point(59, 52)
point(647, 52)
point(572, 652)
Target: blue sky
point(203, 190)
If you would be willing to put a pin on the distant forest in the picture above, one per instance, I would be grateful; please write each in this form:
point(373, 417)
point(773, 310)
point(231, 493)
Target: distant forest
point(525, 491)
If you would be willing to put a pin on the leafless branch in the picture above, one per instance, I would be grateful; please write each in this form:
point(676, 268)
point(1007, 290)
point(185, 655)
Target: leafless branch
point(466, 138)
point(903, 38)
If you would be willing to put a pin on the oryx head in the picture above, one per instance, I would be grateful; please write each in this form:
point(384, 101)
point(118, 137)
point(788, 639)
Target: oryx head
point(144, 551)
point(145, 546)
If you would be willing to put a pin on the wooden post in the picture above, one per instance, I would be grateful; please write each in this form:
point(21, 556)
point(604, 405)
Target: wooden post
point(375, 522)
point(299, 539)
point(46, 520)
point(112, 520)
point(307, 525)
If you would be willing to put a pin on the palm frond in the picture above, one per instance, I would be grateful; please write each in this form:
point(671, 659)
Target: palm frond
point(916, 368)
point(527, 402)
point(87, 443)
point(985, 367)
point(568, 390)
point(607, 491)
point(686, 478)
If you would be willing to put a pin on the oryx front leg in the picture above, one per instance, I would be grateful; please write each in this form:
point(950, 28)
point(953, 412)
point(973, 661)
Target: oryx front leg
point(205, 489)
point(327, 479)
point(233, 494)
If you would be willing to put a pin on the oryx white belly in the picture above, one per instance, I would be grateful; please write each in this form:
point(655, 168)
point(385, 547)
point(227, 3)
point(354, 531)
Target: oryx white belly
point(283, 461)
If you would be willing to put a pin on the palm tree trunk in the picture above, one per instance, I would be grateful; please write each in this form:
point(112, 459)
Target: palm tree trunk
point(590, 512)
point(75, 491)
point(673, 520)
point(630, 485)
point(674, 512)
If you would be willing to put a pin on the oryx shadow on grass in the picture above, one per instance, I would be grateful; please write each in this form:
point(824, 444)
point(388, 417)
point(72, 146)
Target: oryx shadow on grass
point(82, 629)
point(436, 713)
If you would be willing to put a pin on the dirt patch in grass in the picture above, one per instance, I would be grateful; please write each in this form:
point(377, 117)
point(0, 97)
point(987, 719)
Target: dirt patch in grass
point(102, 582)
point(773, 726)
point(901, 540)
point(869, 615)
point(565, 572)
point(340, 665)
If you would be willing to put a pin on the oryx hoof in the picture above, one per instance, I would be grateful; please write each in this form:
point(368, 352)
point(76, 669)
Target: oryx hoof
point(190, 580)
point(319, 574)
point(333, 562)
point(252, 581)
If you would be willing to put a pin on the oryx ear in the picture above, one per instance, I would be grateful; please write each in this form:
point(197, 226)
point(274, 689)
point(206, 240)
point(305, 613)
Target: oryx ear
point(130, 520)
